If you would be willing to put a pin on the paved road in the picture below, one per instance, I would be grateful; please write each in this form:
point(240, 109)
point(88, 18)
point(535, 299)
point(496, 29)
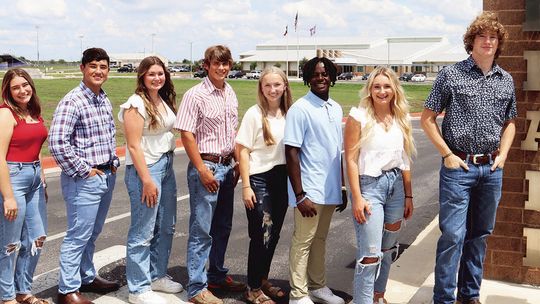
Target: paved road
point(340, 247)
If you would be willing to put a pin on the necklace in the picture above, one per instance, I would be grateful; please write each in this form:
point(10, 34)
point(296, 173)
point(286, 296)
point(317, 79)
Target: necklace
point(387, 121)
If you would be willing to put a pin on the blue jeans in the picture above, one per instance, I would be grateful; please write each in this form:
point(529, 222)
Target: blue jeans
point(87, 204)
point(210, 225)
point(386, 195)
point(265, 221)
point(25, 234)
point(151, 232)
point(468, 205)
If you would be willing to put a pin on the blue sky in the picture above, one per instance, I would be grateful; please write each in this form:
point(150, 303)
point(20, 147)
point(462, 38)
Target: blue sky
point(128, 26)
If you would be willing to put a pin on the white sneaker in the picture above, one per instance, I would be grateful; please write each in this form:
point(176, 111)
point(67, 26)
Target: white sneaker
point(304, 300)
point(325, 296)
point(166, 284)
point(147, 297)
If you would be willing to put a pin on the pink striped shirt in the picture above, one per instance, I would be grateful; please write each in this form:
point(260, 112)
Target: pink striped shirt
point(211, 114)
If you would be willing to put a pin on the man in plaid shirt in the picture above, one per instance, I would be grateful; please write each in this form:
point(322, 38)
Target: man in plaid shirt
point(82, 141)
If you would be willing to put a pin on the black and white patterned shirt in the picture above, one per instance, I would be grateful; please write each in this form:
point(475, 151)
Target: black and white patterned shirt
point(476, 106)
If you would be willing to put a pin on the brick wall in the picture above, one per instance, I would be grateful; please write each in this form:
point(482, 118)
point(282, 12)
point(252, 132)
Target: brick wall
point(507, 245)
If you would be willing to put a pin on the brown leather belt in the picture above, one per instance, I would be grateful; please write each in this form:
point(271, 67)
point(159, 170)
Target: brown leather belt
point(477, 159)
point(218, 159)
point(102, 167)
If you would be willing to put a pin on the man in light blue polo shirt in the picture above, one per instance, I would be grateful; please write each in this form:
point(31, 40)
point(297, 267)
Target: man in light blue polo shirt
point(313, 140)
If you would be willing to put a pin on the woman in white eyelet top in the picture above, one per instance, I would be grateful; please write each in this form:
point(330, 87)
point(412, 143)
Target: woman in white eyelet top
point(378, 150)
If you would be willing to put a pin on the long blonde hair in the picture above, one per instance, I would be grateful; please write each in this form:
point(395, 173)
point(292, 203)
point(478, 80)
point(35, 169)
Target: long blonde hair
point(399, 108)
point(284, 105)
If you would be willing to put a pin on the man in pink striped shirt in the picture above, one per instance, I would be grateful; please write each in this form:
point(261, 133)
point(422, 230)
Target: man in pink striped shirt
point(207, 120)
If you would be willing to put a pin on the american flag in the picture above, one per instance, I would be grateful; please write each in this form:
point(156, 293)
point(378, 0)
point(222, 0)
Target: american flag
point(312, 30)
point(296, 21)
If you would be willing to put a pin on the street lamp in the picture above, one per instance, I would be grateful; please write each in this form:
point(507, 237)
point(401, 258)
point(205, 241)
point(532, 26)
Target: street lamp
point(191, 58)
point(37, 44)
point(153, 35)
point(81, 36)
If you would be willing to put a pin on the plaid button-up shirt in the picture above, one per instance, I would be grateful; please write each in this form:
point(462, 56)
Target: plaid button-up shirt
point(82, 133)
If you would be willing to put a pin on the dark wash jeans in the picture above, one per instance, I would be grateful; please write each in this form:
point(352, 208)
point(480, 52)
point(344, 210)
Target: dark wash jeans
point(265, 221)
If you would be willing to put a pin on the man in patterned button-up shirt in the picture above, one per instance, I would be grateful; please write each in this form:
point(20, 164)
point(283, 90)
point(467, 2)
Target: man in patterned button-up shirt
point(82, 141)
point(478, 98)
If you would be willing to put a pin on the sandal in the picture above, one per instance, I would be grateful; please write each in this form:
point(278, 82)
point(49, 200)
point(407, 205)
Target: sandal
point(257, 296)
point(33, 300)
point(274, 292)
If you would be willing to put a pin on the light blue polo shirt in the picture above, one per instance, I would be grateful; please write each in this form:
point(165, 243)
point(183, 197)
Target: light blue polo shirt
point(314, 126)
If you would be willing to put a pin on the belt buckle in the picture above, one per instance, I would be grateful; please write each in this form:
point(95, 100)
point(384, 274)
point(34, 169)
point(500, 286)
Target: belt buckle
point(220, 159)
point(475, 157)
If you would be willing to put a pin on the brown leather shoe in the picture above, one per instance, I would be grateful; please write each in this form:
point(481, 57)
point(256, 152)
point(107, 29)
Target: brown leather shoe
point(72, 298)
point(100, 285)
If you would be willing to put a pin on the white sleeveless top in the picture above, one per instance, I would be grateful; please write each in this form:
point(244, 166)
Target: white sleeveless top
point(383, 150)
point(154, 142)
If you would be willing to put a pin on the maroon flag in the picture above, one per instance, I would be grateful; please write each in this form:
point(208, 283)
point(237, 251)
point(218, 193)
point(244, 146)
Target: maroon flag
point(286, 30)
point(296, 21)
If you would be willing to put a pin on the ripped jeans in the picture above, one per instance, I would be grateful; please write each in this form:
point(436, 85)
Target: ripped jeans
point(374, 240)
point(151, 231)
point(265, 221)
point(23, 238)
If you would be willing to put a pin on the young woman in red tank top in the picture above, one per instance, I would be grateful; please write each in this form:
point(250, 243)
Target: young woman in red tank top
point(23, 226)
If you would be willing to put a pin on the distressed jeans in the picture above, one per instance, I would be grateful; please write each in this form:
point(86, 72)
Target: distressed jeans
point(21, 240)
point(468, 206)
point(265, 221)
point(210, 224)
point(87, 204)
point(386, 195)
point(151, 231)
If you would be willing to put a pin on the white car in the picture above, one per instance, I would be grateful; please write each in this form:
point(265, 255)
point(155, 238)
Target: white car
point(418, 78)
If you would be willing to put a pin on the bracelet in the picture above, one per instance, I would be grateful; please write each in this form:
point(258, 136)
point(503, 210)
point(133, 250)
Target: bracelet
point(301, 200)
point(445, 156)
point(300, 193)
point(408, 196)
point(343, 188)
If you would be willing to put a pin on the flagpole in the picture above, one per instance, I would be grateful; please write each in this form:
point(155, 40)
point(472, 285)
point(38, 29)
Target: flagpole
point(287, 55)
point(297, 56)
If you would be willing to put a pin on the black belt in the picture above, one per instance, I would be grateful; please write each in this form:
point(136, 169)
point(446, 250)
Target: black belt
point(218, 159)
point(477, 159)
point(103, 167)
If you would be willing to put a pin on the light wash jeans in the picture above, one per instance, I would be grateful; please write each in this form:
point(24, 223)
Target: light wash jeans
point(468, 206)
point(151, 232)
point(210, 225)
point(386, 195)
point(87, 204)
point(25, 234)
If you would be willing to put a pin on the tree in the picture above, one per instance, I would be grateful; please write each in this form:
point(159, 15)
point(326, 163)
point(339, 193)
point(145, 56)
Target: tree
point(253, 66)
point(277, 65)
point(186, 61)
point(237, 66)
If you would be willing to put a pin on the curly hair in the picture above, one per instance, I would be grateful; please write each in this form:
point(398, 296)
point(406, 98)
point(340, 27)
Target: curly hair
point(33, 107)
point(285, 104)
point(166, 92)
point(485, 22)
point(399, 108)
point(309, 69)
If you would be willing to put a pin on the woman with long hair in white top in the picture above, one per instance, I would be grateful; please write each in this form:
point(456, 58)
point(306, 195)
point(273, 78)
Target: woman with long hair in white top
point(378, 150)
point(148, 117)
point(264, 179)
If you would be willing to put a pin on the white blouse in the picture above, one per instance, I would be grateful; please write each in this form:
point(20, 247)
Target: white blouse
point(154, 142)
point(262, 158)
point(383, 150)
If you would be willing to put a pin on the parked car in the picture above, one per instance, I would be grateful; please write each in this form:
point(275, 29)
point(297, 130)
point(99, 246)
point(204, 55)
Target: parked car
point(406, 76)
point(418, 78)
point(199, 74)
point(125, 69)
point(236, 74)
point(253, 74)
point(345, 76)
point(365, 76)
point(174, 69)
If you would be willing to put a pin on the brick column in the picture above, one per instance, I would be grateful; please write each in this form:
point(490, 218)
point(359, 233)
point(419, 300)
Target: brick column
point(508, 246)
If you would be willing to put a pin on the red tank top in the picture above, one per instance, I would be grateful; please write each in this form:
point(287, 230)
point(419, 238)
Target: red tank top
point(26, 139)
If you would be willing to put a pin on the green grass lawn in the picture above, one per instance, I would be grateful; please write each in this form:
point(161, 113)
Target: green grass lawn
point(51, 91)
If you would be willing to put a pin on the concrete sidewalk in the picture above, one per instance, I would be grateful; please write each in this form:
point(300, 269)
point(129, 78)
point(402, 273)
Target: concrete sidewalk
point(412, 278)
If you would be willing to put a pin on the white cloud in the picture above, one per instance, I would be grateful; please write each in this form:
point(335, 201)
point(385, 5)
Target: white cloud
point(43, 9)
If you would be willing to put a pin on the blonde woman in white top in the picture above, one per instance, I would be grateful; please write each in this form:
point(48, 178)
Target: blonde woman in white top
point(264, 179)
point(148, 117)
point(378, 150)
